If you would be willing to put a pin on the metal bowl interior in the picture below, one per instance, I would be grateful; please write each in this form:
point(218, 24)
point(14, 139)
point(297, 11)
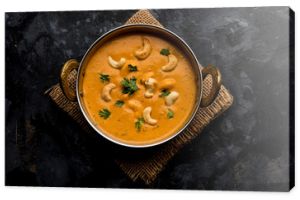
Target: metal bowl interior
point(148, 29)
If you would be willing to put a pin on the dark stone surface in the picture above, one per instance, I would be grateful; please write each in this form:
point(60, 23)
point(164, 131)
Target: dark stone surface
point(246, 148)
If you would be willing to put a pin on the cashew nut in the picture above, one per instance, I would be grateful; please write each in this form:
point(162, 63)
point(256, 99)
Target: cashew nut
point(167, 83)
point(147, 116)
point(171, 98)
point(116, 64)
point(150, 86)
point(145, 51)
point(106, 91)
point(172, 63)
point(134, 105)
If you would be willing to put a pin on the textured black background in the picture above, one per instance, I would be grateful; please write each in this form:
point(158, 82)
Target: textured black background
point(246, 148)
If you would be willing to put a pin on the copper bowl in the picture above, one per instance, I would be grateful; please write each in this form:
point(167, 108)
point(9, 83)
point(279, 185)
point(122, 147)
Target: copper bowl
point(200, 73)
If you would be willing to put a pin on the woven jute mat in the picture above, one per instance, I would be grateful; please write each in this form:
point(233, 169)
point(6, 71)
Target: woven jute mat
point(148, 165)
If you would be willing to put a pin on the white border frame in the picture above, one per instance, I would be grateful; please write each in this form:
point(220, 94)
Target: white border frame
point(76, 193)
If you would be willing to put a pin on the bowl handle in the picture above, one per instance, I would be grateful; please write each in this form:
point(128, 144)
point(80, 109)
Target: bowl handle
point(65, 71)
point(216, 84)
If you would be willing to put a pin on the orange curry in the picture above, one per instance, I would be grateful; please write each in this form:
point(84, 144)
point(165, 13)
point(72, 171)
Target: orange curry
point(139, 89)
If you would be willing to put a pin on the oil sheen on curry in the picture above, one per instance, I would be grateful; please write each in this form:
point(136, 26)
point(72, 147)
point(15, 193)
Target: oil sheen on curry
point(139, 89)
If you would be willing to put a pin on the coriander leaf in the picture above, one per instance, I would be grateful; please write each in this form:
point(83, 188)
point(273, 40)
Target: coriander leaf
point(119, 103)
point(132, 68)
point(165, 52)
point(138, 124)
point(129, 86)
point(170, 114)
point(164, 93)
point(104, 78)
point(104, 113)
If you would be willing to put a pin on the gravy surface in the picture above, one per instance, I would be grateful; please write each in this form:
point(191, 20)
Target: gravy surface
point(120, 125)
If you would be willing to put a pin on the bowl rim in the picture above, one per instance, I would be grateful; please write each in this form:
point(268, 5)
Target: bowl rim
point(198, 100)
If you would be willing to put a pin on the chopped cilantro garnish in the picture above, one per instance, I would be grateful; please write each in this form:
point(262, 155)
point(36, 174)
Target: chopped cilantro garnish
point(170, 114)
point(164, 93)
point(165, 52)
point(132, 68)
point(129, 85)
point(138, 124)
point(104, 78)
point(119, 103)
point(104, 113)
